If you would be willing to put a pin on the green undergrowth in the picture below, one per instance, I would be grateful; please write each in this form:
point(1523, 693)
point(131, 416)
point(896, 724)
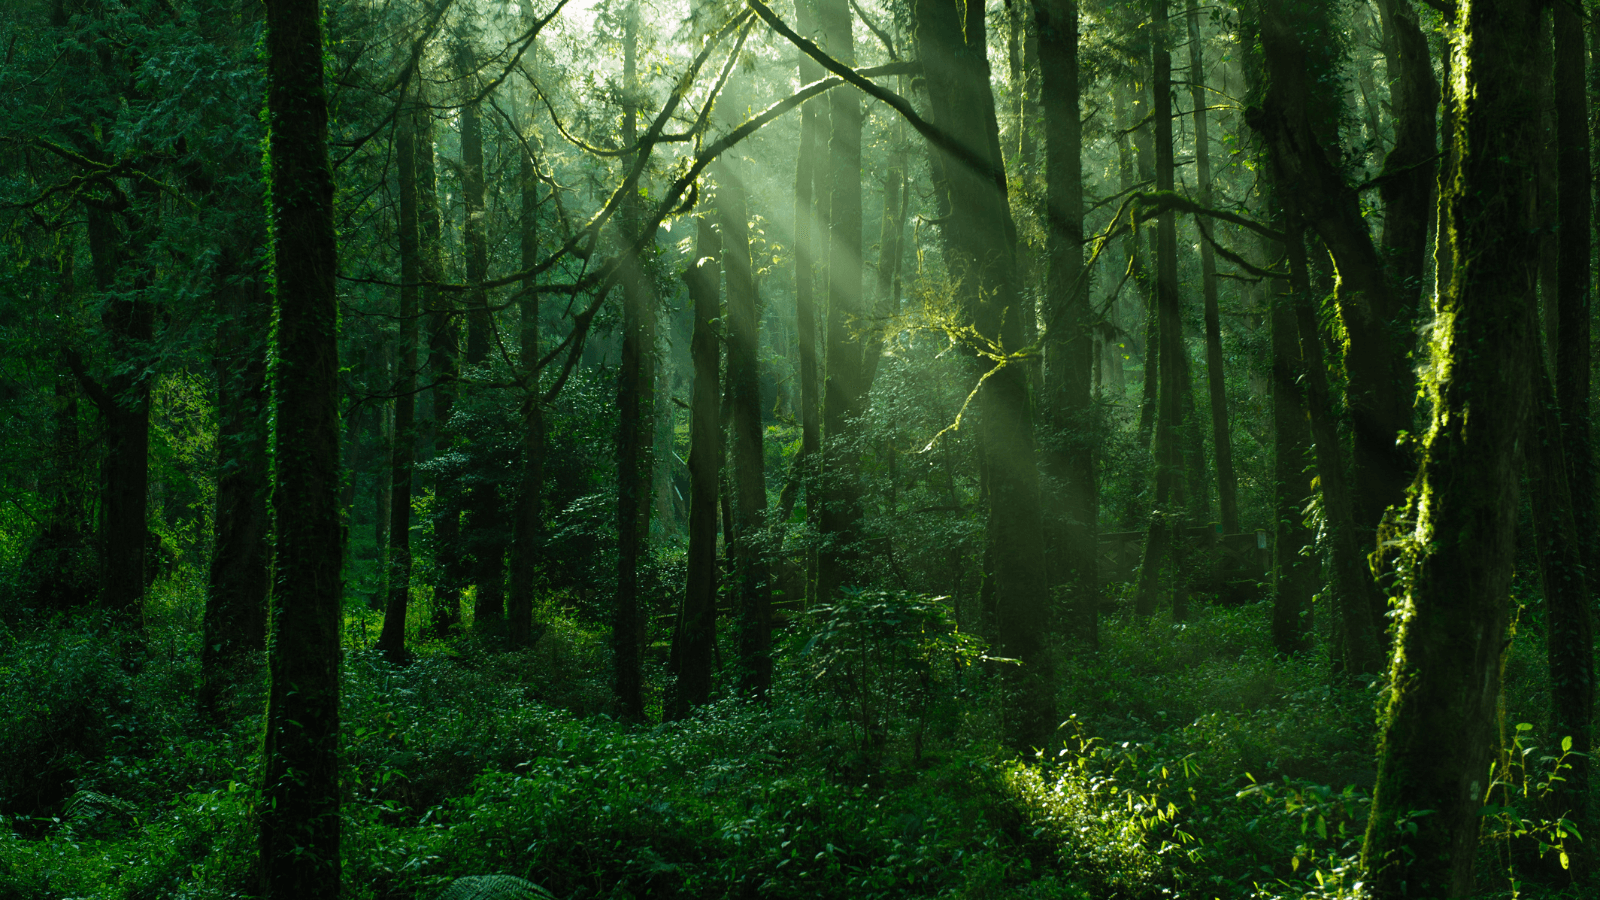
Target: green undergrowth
point(1193, 762)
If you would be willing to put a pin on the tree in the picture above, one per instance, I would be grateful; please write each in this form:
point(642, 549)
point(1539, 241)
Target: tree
point(1458, 560)
point(299, 810)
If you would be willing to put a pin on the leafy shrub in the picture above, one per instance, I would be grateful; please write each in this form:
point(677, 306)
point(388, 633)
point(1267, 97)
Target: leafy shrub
point(885, 663)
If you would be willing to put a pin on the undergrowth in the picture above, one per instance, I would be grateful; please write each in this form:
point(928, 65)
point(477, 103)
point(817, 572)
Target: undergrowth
point(1194, 763)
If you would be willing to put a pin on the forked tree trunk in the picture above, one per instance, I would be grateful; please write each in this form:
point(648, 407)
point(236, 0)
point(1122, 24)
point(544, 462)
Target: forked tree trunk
point(299, 810)
point(1438, 734)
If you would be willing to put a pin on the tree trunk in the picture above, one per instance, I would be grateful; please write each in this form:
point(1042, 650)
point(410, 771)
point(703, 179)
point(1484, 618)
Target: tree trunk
point(528, 522)
point(239, 578)
point(695, 637)
point(299, 808)
point(485, 541)
point(1293, 122)
point(444, 366)
point(124, 405)
point(1167, 528)
point(807, 226)
point(1295, 568)
point(635, 397)
point(980, 240)
point(1438, 732)
point(1357, 649)
point(1069, 348)
point(839, 557)
point(1216, 381)
point(744, 435)
point(392, 639)
point(1573, 303)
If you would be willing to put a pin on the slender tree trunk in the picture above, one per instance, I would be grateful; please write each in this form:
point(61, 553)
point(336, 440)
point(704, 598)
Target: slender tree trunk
point(694, 639)
point(1295, 567)
point(839, 557)
point(299, 809)
point(124, 405)
point(1446, 667)
point(1069, 347)
point(239, 578)
point(485, 539)
point(528, 524)
point(980, 239)
point(807, 226)
point(444, 366)
point(744, 430)
point(1358, 649)
point(1167, 528)
point(635, 398)
point(392, 639)
point(1216, 380)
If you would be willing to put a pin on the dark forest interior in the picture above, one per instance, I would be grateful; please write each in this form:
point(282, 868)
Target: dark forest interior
point(488, 450)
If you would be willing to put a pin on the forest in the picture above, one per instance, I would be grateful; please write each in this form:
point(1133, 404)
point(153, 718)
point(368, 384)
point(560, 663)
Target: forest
point(533, 449)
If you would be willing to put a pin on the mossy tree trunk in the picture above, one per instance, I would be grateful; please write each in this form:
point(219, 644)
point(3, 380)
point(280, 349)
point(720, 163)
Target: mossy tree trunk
point(299, 806)
point(528, 516)
point(1438, 726)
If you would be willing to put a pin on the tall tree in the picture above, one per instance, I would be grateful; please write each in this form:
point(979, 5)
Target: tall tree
point(980, 239)
point(694, 637)
point(528, 516)
point(444, 368)
point(485, 539)
point(839, 555)
point(1446, 666)
point(635, 397)
point(807, 227)
point(744, 437)
point(299, 808)
point(403, 448)
point(1216, 378)
point(1069, 347)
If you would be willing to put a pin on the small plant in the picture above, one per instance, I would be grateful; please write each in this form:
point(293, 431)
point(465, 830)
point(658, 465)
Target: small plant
point(884, 660)
point(1518, 801)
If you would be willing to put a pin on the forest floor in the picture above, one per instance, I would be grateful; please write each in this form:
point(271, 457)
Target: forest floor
point(1194, 762)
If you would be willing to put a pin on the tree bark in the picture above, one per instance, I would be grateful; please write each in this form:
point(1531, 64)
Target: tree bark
point(485, 541)
point(239, 579)
point(528, 522)
point(1216, 380)
point(839, 557)
point(299, 809)
point(1292, 122)
point(1446, 666)
point(392, 639)
point(1166, 531)
point(444, 366)
point(744, 436)
point(980, 240)
point(1069, 348)
point(635, 399)
point(694, 639)
point(807, 226)
point(1295, 567)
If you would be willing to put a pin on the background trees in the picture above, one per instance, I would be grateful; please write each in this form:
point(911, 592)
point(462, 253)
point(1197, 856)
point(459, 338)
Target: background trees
point(632, 395)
